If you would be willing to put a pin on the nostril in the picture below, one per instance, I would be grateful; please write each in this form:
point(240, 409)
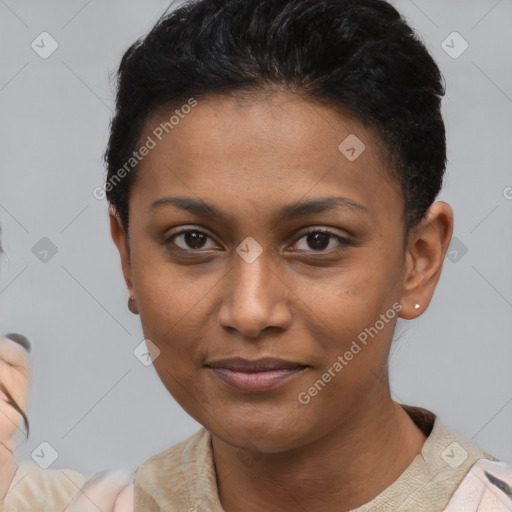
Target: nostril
point(20, 339)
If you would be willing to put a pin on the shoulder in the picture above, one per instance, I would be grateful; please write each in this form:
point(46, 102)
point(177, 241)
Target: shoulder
point(33, 486)
point(463, 476)
point(435, 474)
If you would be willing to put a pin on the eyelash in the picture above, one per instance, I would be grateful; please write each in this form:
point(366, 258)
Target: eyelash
point(344, 242)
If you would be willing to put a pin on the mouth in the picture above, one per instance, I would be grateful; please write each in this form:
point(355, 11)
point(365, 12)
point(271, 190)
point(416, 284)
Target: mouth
point(255, 376)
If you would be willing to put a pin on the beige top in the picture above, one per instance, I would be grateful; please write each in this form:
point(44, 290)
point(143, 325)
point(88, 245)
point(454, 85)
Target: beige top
point(182, 477)
point(43, 490)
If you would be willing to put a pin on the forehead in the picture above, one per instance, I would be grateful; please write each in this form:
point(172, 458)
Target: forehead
point(264, 149)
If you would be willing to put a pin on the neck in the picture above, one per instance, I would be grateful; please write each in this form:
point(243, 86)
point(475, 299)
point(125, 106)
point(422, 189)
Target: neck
point(338, 472)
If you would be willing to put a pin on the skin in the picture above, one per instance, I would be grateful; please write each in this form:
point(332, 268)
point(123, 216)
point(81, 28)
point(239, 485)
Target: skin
point(200, 301)
point(15, 376)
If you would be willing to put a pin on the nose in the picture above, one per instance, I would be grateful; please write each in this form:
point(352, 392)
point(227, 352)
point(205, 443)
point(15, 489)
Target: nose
point(255, 298)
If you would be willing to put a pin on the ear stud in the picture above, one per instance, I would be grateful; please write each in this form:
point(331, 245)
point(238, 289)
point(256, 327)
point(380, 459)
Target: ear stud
point(132, 306)
point(417, 306)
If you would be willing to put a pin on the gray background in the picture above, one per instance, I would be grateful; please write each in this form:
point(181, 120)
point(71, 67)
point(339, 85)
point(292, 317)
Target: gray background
point(91, 399)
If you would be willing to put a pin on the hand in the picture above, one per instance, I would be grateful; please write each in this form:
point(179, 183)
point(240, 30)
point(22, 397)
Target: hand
point(107, 491)
point(487, 487)
point(14, 387)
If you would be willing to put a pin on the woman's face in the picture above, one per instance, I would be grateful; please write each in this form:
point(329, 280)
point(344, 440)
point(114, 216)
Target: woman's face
point(251, 283)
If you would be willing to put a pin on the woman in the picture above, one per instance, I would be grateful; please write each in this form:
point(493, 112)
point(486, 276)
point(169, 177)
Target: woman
point(273, 167)
point(272, 174)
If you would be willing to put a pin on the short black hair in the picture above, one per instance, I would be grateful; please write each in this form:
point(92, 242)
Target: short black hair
point(360, 56)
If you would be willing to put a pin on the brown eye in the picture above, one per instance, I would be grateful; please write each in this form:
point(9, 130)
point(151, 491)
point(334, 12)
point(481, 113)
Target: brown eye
point(320, 240)
point(190, 239)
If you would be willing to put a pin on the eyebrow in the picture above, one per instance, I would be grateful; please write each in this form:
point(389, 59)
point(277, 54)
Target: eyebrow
point(289, 212)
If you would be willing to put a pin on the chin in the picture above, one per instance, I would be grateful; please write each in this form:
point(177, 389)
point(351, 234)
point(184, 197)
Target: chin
point(268, 433)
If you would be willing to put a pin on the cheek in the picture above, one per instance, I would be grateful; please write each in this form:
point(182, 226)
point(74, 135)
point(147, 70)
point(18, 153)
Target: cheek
point(172, 316)
point(177, 314)
point(169, 296)
point(343, 304)
point(352, 315)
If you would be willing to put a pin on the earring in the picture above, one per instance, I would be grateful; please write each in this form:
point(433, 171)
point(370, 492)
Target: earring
point(132, 306)
point(417, 306)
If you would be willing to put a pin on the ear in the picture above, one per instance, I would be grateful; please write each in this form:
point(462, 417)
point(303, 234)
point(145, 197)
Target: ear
point(120, 238)
point(424, 259)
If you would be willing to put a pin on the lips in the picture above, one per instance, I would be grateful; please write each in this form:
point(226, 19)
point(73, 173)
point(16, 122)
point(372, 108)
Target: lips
point(255, 376)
